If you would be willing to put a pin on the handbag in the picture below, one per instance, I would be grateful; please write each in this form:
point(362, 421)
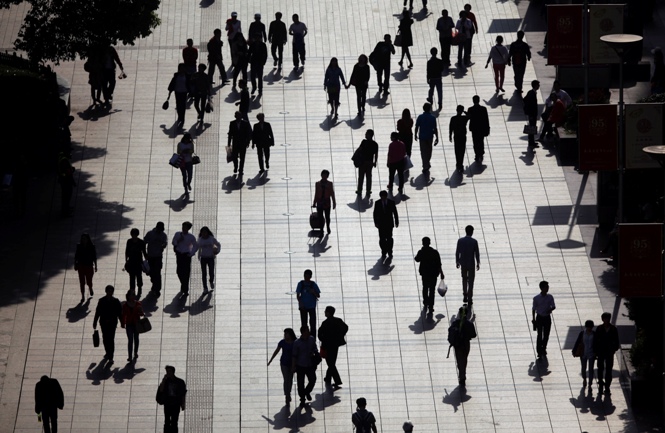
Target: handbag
point(398, 40)
point(229, 154)
point(95, 338)
point(145, 267)
point(530, 129)
point(407, 163)
point(357, 158)
point(143, 325)
point(196, 159)
point(443, 288)
point(175, 160)
point(165, 105)
point(316, 358)
point(209, 108)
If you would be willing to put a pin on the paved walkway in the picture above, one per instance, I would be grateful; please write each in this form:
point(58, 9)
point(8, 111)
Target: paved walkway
point(395, 356)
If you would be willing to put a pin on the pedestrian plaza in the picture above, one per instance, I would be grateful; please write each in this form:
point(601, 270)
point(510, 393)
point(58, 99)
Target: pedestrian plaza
point(396, 357)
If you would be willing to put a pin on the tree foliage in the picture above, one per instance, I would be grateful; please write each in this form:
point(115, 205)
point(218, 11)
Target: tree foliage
point(57, 30)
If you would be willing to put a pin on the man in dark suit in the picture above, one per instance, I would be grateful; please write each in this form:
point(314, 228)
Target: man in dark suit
point(277, 38)
point(531, 109)
point(108, 313)
point(430, 268)
point(263, 139)
point(48, 399)
point(385, 218)
point(240, 133)
point(171, 393)
point(258, 54)
point(331, 334)
point(479, 125)
point(435, 68)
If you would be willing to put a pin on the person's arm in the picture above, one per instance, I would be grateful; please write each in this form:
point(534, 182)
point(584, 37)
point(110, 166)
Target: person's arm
point(195, 247)
point(533, 311)
point(230, 134)
point(274, 354)
point(94, 322)
point(476, 252)
point(332, 195)
point(376, 154)
point(396, 215)
point(126, 252)
point(553, 306)
point(294, 356)
point(316, 193)
point(144, 250)
point(415, 134)
point(450, 130)
point(304, 33)
point(436, 133)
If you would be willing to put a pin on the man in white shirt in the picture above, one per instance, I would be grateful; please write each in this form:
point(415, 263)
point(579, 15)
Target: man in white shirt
point(184, 246)
point(298, 30)
point(543, 305)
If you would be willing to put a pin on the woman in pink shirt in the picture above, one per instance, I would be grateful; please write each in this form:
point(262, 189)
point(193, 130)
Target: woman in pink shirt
point(396, 156)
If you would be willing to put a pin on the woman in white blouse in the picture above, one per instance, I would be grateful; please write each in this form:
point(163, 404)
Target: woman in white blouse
point(208, 248)
point(499, 57)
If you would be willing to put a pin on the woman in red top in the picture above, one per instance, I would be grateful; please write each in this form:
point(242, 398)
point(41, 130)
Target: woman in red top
point(405, 130)
point(132, 311)
point(396, 156)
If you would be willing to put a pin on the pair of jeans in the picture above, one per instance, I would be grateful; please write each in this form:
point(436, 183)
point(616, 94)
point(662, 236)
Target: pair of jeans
point(399, 168)
point(287, 374)
point(383, 77)
point(331, 361)
point(277, 50)
point(207, 264)
point(464, 53)
point(445, 42)
point(543, 327)
point(155, 273)
point(435, 83)
point(361, 97)
point(468, 277)
point(532, 122)
point(324, 216)
point(587, 364)
point(386, 240)
point(478, 144)
point(220, 65)
point(135, 272)
point(50, 419)
point(187, 170)
point(311, 312)
point(499, 74)
point(257, 76)
point(460, 149)
point(605, 365)
point(238, 153)
point(365, 172)
point(183, 269)
point(108, 338)
point(171, 415)
point(462, 356)
point(426, 153)
point(132, 340)
point(181, 105)
point(241, 67)
point(263, 152)
point(429, 288)
point(108, 86)
point(298, 52)
point(519, 71)
point(301, 373)
point(200, 102)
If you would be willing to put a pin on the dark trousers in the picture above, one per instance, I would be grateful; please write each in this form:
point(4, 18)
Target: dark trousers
point(478, 145)
point(383, 77)
point(426, 153)
point(445, 49)
point(239, 157)
point(435, 83)
point(462, 356)
point(183, 269)
point(533, 122)
point(468, 277)
point(310, 373)
point(277, 50)
point(200, 101)
point(587, 364)
point(605, 365)
point(108, 85)
point(155, 273)
point(311, 312)
point(50, 419)
point(207, 267)
point(543, 327)
point(135, 276)
point(171, 415)
point(460, 149)
point(298, 51)
point(519, 75)
point(365, 172)
point(408, 143)
point(263, 152)
point(331, 361)
point(287, 375)
point(220, 65)
point(386, 240)
point(399, 167)
point(324, 217)
point(241, 67)
point(181, 105)
point(187, 170)
point(464, 52)
point(132, 340)
point(257, 76)
point(361, 97)
point(547, 126)
point(108, 339)
point(429, 288)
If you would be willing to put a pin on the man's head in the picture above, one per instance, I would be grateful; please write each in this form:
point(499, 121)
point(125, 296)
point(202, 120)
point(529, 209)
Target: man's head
point(109, 290)
point(304, 332)
point(202, 67)
point(467, 7)
point(186, 226)
point(476, 100)
point(325, 174)
point(369, 134)
point(544, 287)
point(460, 109)
point(217, 32)
point(444, 13)
point(329, 311)
point(535, 84)
point(190, 42)
point(427, 107)
point(433, 51)
point(308, 274)
point(134, 233)
point(182, 69)
point(278, 16)
point(295, 18)
point(499, 40)
point(520, 35)
point(588, 324)
point(361, 403)
point(462, 15)
point(260, 117)
point(383, 194)
point(556, 85)
point(554, 97)
point(257, 17)
point(426, 241)
point(606, 317)
point(469, 230)
point(234, 15)
point(387, 38)
point(170, 370)
point(407, 427)
point(394, 136)
point(238, 115)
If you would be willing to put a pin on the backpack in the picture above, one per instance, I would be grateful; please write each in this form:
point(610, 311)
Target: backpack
point(455, 337)
point(362, 425)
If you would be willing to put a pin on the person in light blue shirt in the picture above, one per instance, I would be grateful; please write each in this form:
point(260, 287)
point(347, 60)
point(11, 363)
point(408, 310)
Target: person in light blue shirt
point(308, 294)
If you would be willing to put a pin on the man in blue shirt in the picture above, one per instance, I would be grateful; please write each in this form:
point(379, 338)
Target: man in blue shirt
point(308, 294)
point(425, 132)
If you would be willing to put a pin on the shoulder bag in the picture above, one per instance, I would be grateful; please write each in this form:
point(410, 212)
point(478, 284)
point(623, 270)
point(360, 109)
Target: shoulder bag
point(143, 325)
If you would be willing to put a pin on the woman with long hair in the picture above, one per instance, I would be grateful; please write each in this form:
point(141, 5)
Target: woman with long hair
point(208, 248)
point(405, 130)
point(499, 57)
point(186, 149)
point(132, 311)
point(286, 346)
point(85, 262)
point(405, 24)
point(360, 80)
point(332, 84)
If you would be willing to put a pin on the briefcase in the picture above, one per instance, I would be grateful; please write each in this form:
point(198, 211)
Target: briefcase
point(143, 325)
point(95, 338)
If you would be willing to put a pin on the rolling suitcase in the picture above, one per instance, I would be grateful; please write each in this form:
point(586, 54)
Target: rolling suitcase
point(314, 221)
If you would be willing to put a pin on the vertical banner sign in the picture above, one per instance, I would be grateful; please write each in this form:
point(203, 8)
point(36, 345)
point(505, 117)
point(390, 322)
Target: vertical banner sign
point(640, 263)
point(564, 34)
point(604, 20)
point(597, 127)
point(644, 127)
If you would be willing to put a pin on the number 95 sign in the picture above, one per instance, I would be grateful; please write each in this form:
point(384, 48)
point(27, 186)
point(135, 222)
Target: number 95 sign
point(640, 260)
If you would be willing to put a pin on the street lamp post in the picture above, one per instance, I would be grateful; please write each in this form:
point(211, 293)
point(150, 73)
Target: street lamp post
point(621, 44)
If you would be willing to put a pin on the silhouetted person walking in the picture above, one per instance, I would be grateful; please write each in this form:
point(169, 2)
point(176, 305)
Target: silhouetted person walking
point(518, 54)
point(285, 361)
point(426, 133)
point(396, 157)
point(324, 195)
point(209, 247)
point(444, 26)
point(499, 57)
point(434, 71)
point(134, 254)
point(331, 83)
point(263, 139)
point(202, 91)
point(541, 317)
point(385, 219)
point(48, 399)
point(85, 263)
point(181, 86)
point(583, 349)
point(605, 344)
point(215, 58)
point(331, 334)
point(405, 24)
point(233, 27)
point(458, 128)
point(156, 242)
point(479, 125)
point(185, 246)
point(380, 60)
point(109, 60)
point(365, 158)
point(360, 80)
point(531, 109)
point(132, 311)
point(258, 55)
point(190, 56)
point(239, 136)
point(185, 149)
point(302, 365)
point(243, 104)
point(257, 30)
point(171, 393)
point(362, 419)
point(429, 269)
point(108, 313)
point(465, 31)
point(307, 294)
point(241, 52)
point(277, 38)
point(467, 258)
point(405, 130)
point(460, 334)
point(298, 30)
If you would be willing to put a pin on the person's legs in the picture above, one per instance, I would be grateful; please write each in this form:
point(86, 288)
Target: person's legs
point(445, 50)
point(460, 52)
point(171, 415)
point(400, 177)
point(546, 332)
point(532, 137)
point(186, 272)
point(211, 270)
point(331, 361)
point(287, 374)
point(81, 271)
point(132, 280)
point(204, 273)
point(379, 77)
point(259, 77)
point(590, 367)
point(460, 149)
point(312, 321)
point(478, 145)
point(155, 273)
point(129, 329)
point(181, 105)
point(241, 156)
point(408, 143)
point(502, 75)
point(326, 212)
point(439, 91)
point(519, 75)
point(362, 170)
point(496, 68)
point(368, 175)
point(280, 54)
point(386, 78)
point(462, 356)
point(183, 171)
point(609, 365)
point(391, 174)
point(300, 381)
point(108, 338)
point(467, 51)
point(426, 153)
point(429, 285)
point(465, 283)
point(311, 379)
point(601, 372)
point(296, 62)
point(389, 240)
point(273, 51)
point(471, 277)
point(50, 420)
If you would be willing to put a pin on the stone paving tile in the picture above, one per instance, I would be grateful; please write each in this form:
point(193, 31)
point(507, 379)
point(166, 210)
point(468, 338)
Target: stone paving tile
point(393, 358)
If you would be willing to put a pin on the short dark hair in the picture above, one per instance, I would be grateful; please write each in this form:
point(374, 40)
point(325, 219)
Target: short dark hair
point(361, 402)
point(330, 309)
point(606, 315)
point(383, 193)
point(427, 107)
point(544, 285)
point(394, 135)
point(325, 173)
point(134, 232)
point(187, 224)
point(588, 324)
point(170, 367)
point(109, 289)
point(308, 272)
point(426, 241)
point(304, 329)
point(469, 230)
point(475, 98)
